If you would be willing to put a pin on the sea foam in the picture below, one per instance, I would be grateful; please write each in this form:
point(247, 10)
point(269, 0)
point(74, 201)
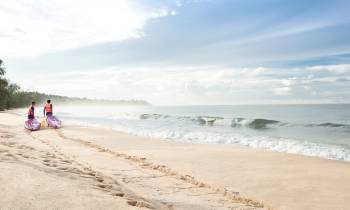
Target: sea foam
point(205, 129)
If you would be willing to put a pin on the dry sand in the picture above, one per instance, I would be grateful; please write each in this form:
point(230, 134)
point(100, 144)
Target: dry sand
point(89, 168)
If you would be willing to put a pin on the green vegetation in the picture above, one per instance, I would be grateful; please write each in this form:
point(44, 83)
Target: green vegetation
point(7, 89)
point(11, 96)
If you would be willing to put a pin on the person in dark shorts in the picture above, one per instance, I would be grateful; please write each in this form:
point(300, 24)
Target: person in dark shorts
point(31, 111)
point(48, 110)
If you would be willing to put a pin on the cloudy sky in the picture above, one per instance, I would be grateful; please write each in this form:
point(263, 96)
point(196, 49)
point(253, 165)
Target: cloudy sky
point(180, 51)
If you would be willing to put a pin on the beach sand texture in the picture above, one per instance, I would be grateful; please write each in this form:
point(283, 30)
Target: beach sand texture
point(90, 168)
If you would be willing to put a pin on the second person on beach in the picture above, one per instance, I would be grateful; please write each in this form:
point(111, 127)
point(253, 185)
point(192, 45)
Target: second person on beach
point(48, 109)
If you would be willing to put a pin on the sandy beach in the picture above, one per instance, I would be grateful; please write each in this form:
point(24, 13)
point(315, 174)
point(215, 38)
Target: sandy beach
point(79, 167)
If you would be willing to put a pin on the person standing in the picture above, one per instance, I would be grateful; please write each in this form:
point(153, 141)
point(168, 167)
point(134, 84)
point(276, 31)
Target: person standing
point(31, 111)
point(48, 110)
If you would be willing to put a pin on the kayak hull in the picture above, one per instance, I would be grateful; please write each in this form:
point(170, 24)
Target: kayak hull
point(32, 124)
point(53, 122)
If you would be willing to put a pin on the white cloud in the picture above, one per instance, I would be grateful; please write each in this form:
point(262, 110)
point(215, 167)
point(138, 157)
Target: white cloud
point(196, 85)
point(163, 12)
point(338, 69)
point(282, 91)
point(38, 26)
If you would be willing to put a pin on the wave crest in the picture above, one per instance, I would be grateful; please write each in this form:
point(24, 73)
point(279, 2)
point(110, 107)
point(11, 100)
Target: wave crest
point(257, 123)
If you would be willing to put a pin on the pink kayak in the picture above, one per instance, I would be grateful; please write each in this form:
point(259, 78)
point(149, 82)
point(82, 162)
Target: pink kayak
point(52, 121)
point(32, 124)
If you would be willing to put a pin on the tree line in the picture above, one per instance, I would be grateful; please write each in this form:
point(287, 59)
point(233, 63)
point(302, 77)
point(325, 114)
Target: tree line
point(12, 96)
point(8, 90)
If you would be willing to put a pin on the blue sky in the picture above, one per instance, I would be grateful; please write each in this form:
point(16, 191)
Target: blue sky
point(181, 52)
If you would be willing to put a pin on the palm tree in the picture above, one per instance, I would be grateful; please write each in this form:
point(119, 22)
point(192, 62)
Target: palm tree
point(2, 68)
point(3, 86)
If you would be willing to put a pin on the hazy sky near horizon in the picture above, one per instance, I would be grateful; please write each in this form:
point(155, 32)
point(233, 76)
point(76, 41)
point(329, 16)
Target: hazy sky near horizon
point(180, 51)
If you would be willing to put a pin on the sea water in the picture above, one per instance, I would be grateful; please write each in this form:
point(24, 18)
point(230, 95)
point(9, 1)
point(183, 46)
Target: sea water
point(313, 130)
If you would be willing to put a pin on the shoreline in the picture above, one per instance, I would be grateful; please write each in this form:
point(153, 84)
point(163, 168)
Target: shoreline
point(327, 149)
point(239, 176)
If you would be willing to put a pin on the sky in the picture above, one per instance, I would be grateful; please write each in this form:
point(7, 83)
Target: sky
point(180, 52)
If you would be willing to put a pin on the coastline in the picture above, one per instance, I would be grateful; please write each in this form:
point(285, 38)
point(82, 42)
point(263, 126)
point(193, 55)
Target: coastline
point(159, 174)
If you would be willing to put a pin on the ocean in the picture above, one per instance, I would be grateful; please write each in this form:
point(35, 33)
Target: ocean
point(312, 130)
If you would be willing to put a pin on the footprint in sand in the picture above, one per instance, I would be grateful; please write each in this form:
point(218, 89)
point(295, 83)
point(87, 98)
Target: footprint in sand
point(62, 168)
point(6, 136)
point(50, 164)
point(139, 204)
point(25, 156)
point(99, 179)
point(26, 147)
point(3, 150)
point(91, 173)
point(66, 161)
point(8, 144)
point(119, 194)
point(75, 171)
point(105, 186)
point(132, 202)
point(9, 155)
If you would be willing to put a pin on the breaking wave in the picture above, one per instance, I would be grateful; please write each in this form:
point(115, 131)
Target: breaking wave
point(285, 145)
point(257, 123)
point(328, 124)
